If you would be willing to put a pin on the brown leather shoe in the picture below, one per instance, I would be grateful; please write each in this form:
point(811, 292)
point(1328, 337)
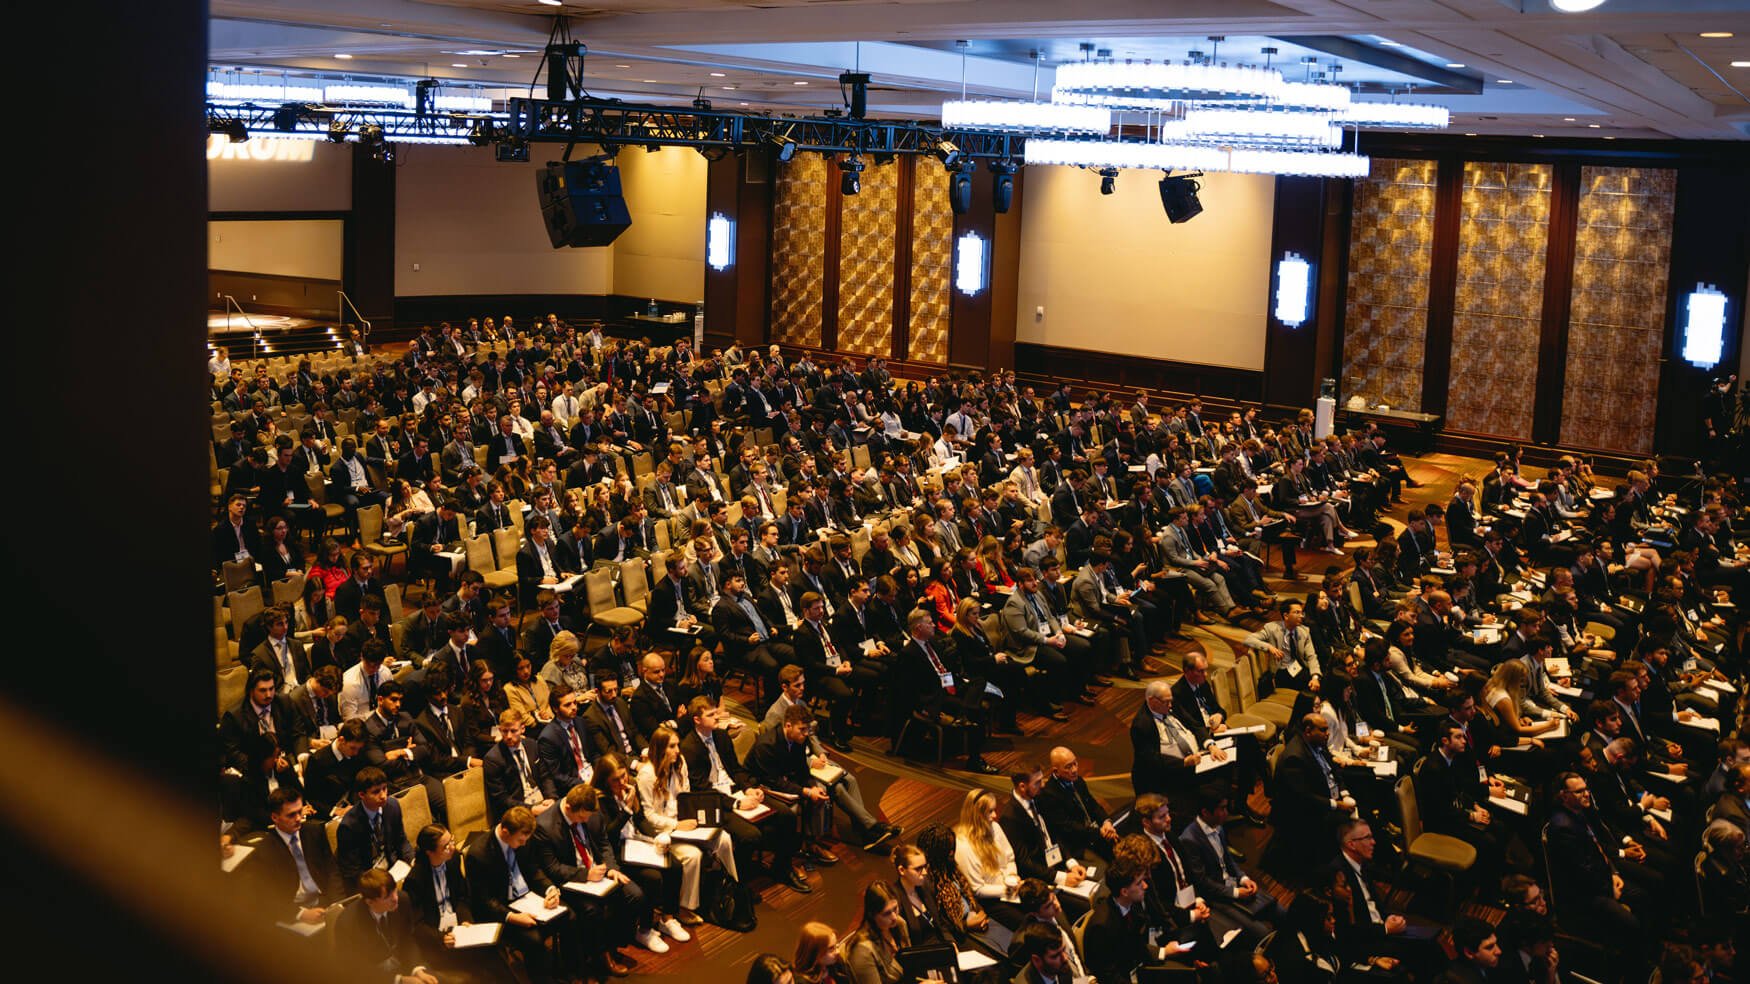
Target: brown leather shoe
point(615, 966)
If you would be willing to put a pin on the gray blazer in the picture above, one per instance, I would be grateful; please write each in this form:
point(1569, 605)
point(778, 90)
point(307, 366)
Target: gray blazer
point(1275, 635)
point(1023, 631)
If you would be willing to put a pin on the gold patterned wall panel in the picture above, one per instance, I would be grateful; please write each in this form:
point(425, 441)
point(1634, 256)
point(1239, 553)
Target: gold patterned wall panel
point(1622, 259)
point(1391, 248)
point(932, 264)
point(868, 229)
point(798, 250)
point(1503, 239)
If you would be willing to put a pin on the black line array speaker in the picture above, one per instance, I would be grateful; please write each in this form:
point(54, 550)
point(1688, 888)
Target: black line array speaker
point(581, 203)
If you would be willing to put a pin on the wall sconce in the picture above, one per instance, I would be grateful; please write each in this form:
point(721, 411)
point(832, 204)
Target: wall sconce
point(1293, 289)
point(1704, 329)
point(972, 262)
point(719, 242)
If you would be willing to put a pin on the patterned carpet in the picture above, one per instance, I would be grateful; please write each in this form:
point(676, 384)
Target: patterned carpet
point(913, 793)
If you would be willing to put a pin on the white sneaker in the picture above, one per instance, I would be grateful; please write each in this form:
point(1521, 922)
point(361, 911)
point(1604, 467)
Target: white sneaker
point(671, 928)
point(650, 941)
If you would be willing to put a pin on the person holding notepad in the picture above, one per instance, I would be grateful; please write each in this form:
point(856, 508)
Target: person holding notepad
point(502, 870)
point(572, 847)
point(371, 834)
point(712, 766)
point(841, 783)
point(437, 899)
point(381, 930)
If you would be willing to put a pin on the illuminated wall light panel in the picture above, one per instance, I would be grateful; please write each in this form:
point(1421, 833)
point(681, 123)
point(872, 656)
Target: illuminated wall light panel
point(1704, 326)
point(1293, 289)
point(971, 264)
point(719, 242)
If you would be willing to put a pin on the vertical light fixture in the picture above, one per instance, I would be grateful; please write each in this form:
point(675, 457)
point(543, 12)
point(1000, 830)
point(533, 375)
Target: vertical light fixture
point(972, 264)
point(719, 241)
point(1704, 327)
point(1293, 289)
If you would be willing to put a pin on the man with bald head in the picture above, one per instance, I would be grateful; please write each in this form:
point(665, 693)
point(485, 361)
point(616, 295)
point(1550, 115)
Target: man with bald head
point(1075, 819)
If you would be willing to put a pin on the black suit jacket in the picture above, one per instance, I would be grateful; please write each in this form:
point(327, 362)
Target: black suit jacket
point(556, 853)
point(1579, 860)
point(1114, 944)
point(653, 706)
point(1027, 840)
point(504, 782)
point(1071, 812)
point(355, 848)
point(420, 892)
point(1445, 794)
point(432, 747)
point(274, 873)
point(489, 876)
point(241, 723)
point(559, 758)
point(778, 765)
point(1187, 700)
point(699, 761)
point(225, 541)
point(604, 737)
point(1152, 770)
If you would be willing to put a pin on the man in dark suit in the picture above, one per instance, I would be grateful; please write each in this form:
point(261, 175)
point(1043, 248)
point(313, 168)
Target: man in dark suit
point(432, 533)
point(607, 721)
point(417, 466)
point(498, 642)
point(1448, 795)
point(1583, 868)
point(748, 638)
point(293, 858)
point(1165, 751)
point(563, 747)
point(371, 833)
point(392, 749)
point(437, 744)
point(1370, 927)
point(712, 766)
point(315, 702)
point(513, 773)
point(656, 702)
point(502, 868)
point(930, 684)
point(262, 711)
point(350, 595)
point(328, 774)
point(379, 931)
point(1115, 940)
point(834, 674)
point(571, 846)
point(1479, 953)
point(1037, 853)
point(538, 563)
point(1204, 849)
point(1075, 818)
point(538, 638)
point(1195, 704)
point(779, 761)
point(672, 608)
point(235, 537)
point(1307, 802)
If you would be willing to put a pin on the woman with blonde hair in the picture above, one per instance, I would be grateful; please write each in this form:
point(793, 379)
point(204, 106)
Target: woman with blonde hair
point(661, 781)
point(527, 693)
point(993, 567)
point(984, 856)
point(1504, 695)
point(872, 952)
point(817, 959)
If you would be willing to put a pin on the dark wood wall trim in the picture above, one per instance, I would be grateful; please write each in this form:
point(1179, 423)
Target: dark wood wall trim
point(1005, 280)
point(738, 299)
point(1710, 244)
point(1115, 369)
point(1442, 285)
point(1291, 366)
point(902, 233)
point(1333, 277)
point(1558, 284)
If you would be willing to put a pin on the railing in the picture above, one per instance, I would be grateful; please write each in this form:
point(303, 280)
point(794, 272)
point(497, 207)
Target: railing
point(364, 325)
point(255, 339)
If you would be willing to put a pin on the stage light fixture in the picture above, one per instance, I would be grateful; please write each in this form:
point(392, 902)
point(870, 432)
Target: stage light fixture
point(337, 130)
point(960, 190)
point(786, 147)
point(851, 175)
point(1108, 180)
point(1002, 185)
point(946, 152)
point(1179, 198)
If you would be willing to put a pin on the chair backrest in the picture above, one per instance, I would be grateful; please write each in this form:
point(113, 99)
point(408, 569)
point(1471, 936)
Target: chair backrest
point(224, 650)
point(634, 582)
point(333, 828)
point(392, 601)
point(859, 543)
point(599, 590)
point(659, 565)
point(732, 510)
point(743, 742)
point(641, 463)
point(516, 517)
point(415, 810)
point(860, 457)
point(1354, 593)
point(479, 550)
point(397, 635)
point(244, 605)
point(1410, 813)
point(465, 803)
point(1077, 931)
point(238, 574)
point(506, 541)
point(370, 524)
point(662, 538)
point(233, 680)
point(287, 590)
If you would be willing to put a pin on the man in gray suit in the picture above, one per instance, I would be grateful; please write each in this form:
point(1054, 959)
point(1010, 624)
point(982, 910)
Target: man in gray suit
point(1092, 600)
point(1033, 632)
point(1290, 646)
point(1206, 581)
point(871, 832)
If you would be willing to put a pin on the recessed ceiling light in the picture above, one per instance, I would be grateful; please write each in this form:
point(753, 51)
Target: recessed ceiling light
point(1596, 126)
point(1503, 81)
point(729, 88)
point(1609, 137)
point(1390, 44)
point(622, 66)
point(509, 55)
point(798, 83)
point(1568, 119)
point(458, 65)
point(551, 3)
point(1741, 64)
point(1455, 64)
point(1574, 6)
point(648, 81)
point(716, 75)
point(343, 56)
point(1538, 136)
point(1716, 34)
point(1470, 134)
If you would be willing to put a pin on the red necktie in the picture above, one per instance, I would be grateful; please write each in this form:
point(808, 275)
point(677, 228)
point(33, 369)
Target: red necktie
point(941, 671)
point(583, 858)
point(576, 748)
